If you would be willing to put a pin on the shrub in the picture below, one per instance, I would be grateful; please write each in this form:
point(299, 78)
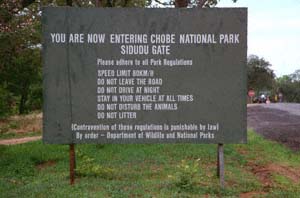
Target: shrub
point(5, 103)
point(186, 173)
point(88, 167)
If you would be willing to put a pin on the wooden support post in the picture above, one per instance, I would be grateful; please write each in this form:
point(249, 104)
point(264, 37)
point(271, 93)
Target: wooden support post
point(72, 164)
point(71, 146)
point(220, 168)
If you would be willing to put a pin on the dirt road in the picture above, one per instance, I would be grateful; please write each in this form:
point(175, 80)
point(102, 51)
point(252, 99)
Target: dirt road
point(279, 122)
point(19, 140)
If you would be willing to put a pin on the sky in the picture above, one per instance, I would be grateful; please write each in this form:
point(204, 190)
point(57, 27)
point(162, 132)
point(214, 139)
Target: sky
point(273, 32)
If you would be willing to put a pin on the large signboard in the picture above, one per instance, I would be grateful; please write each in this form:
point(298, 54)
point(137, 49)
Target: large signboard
point(144, 75)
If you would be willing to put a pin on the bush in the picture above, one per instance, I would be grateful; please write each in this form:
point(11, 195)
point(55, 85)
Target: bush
point(186, 173)
point(5, 103)
point(35, 99)
point(88, 167)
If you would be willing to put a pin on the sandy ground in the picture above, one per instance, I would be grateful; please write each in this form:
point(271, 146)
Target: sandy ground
point(21, 124)
point(19, 140)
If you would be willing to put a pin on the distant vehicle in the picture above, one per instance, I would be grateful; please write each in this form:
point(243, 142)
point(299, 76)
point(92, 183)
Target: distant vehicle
point(261, 97)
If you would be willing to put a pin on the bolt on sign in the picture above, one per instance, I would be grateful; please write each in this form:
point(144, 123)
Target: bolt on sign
point(144, 75)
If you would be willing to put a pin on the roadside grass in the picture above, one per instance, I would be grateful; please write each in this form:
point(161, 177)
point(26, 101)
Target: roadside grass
point(10, 135)
point(19, 126)
point(262, 167)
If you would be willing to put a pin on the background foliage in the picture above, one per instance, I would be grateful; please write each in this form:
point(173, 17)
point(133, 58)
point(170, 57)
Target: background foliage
point(261, 77)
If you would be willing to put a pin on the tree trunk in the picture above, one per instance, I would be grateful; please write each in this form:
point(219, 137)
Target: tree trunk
point(69, 2)
point(181, 3)
point(22, 103)
point(184, 3)
point(98, 3)
point(26, 3)
point(201, 3)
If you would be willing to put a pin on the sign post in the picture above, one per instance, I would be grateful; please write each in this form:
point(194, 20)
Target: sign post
point(220, 164)
point(168, 76)
point(71, 146)
point(72, 163)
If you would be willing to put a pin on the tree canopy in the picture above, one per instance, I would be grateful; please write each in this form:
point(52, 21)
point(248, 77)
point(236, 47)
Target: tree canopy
point(259, 74)
point(20, 63)
point(289, 86)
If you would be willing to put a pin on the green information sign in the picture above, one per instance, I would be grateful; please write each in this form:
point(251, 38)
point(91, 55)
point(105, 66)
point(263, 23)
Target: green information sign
point(144, 75)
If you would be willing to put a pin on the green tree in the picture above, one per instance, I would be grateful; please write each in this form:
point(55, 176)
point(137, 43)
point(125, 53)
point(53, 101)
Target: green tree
point(259, 75)
point(20, 37)
point(289, 86)
point(295, 76)
point(23, 73)
point(5, 102)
